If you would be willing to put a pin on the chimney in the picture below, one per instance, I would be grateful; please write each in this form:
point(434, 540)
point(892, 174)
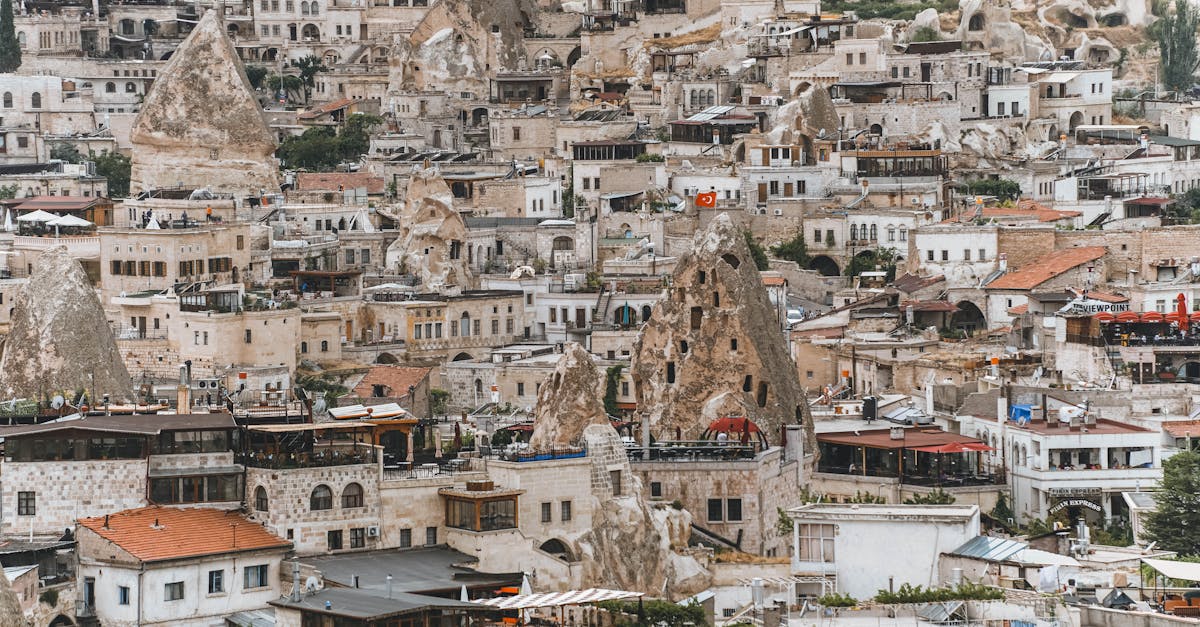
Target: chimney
point(295, 581)
point(106, 521)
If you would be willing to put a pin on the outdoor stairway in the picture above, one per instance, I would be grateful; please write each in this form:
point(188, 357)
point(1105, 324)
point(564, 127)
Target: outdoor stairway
point(602, 302)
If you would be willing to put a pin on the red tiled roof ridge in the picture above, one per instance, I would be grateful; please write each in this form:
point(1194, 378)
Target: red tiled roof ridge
point(1047, 267)
point(156, 533)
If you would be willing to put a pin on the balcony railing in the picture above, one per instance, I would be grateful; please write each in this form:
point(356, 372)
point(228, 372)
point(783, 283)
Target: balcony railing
point(318, 458)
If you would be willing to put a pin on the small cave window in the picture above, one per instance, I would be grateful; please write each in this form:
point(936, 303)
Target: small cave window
point(761, 397)
point(702, 276)
point(732, 260)
point(716, 298)
point(733, 343)
point(748, 383)
point(683, 346)
point(799, 415)
point(697, 317)
point(670, 372)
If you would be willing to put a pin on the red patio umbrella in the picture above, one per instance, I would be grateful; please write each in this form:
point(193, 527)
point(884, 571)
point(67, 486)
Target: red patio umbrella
point(1152, 316)
point(1174, 317)
point(1181, 307)
point(954, 447)
point(1127, 316)
point(1104, 317)
point(1195, 317)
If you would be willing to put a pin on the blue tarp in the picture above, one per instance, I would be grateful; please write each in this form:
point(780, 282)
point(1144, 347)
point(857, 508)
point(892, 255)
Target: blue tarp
point(1020, 413)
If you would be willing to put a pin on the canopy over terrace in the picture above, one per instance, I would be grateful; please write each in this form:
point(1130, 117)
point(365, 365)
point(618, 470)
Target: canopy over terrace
point(914, 455)
point(558, 599)
point(310, 444)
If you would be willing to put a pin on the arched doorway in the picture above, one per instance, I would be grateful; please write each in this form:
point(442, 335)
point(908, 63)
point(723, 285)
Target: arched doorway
point(968, 318)
point(574, 56)
point(624, 316)
point(1052, 136)
point(1076, 120)
point(61, 621)
point(310, 32)
point(976, 22)
point(646, 312)
point(558, 549)
point(463, 357)
point(825, 265)
point(386, 358)
point(876, 129)
point(232, 29)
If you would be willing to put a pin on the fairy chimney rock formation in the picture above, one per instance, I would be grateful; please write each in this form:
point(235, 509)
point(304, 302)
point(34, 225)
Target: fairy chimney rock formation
point(60, 341)
point(714, 347)
point(432, 238)
point(200, 125)
point(569, 401)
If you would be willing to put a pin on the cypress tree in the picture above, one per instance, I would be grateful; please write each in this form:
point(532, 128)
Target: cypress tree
point(10, 50)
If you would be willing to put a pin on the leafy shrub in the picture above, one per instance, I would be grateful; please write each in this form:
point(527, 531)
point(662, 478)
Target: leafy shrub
point(837, 600)
point(965, 591)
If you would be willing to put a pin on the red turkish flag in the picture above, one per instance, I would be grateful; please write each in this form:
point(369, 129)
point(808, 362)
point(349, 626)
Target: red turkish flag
point(706, 199)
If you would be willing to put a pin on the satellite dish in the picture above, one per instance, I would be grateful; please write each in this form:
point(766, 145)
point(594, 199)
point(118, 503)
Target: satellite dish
point(319, 405)
point(311, 584)
point(821, 134)
point(58, 401)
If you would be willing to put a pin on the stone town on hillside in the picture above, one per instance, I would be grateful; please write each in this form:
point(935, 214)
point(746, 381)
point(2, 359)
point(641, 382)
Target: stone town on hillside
point(380, 313)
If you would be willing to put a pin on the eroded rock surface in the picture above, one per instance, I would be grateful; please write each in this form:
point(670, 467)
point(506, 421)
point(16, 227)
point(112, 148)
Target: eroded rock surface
point(714, 347)
point(200, 126)
point(60, 341)
point(432, 240)
point(569, 400)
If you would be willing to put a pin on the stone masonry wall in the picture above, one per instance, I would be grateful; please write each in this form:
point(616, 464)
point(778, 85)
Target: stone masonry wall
point(68, 490)
point(288, 514)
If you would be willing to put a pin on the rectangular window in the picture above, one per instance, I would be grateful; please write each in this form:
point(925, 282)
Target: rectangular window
point(546, 511)
point(566, 511)
point(334, 539)
point(364, 256)
point(173, 591)
point(849, 58)
point(405, 538)
point(255, 577)
point(1000, 108)
point(715, 511)
point(520, 388)
point(982, 254)
point(862, 58)
point(430, 536)
point(122, 595)
point(816, 543)
point(349, 255)
point(516, 133)
point(655, 489)
point(216, 581)
point(966, 254)
point(358, 537)
point(733, 510)
point(248, 336)
point(26, 503)
point(929, 255)
point(945, 255)
point(495, 327)
point(615, 477)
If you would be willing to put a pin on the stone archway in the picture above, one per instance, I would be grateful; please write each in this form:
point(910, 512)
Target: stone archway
point(1076, 120)
point(969, 318)
point(825, 265)
point(463, 357)
point(386, 358)
point(558, 549)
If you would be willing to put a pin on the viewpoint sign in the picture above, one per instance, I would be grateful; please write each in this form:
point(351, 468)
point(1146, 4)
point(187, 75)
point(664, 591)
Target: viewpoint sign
point(1089, 306)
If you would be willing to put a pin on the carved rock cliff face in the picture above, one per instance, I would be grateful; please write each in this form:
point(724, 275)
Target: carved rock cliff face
point(10, 606)
point(630, 544)
point(60, 341)
point(569, 401)
point(432, 241)
point(714, 347)
point(200, 125)
point(453, 48)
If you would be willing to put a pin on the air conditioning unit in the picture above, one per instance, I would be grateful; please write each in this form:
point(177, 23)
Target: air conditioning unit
point(372, 532)
point(208, 384)
point(779, 212)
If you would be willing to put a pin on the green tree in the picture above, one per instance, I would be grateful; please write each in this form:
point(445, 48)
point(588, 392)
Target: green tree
point(10, 49)
point(1004, 189)
point(1002, 513)
point(1178, 57)
point(795, 249)
point(1175, 524)
point(866, 261)
point(439, 401)
point(256, 74)
point(66, 152)
point(8, 192)
point(866, 498)
point(612, 379)
point(309, 66)
point(286, 83)
point(314, 149)
point(354, 140)
point(756, 251)
point(115, 167)
point(926, 33)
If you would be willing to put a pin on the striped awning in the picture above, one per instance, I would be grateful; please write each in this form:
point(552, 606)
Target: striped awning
point(555, 599)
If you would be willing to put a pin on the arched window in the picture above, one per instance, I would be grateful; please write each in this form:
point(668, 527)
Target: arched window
point(903, 234)
point(21, 39)
point(324, 346)
point(260, 499)
point(874, 233)
point(853, 231)
point(303, 8)
point(110, 87)
point(891, 234)
point(352, 496)
point(35, 101)
point(8, 100)
point(694, 99)
point(464, 325)
point(315, 9)
point(131, 87)
point(321, 498)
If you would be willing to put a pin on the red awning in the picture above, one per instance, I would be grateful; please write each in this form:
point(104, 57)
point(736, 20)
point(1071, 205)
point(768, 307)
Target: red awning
point(1152, 316)
point(1127, 316)
point(954, 447)
point(731, 425)
point(1195, 316)
point(1104, 316)
point(1173, 316)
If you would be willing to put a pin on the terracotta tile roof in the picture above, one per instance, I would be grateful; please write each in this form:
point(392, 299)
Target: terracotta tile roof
point(182, 533)
point(1019, 309)
point(330, 107)
point(909, 283)
point(929, 305)
point(1183, 429)
point(1025, 210)
point(329, 181)
point(1047, 267)
point(773, 280)
point(1107, 298)
point(396, 378)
